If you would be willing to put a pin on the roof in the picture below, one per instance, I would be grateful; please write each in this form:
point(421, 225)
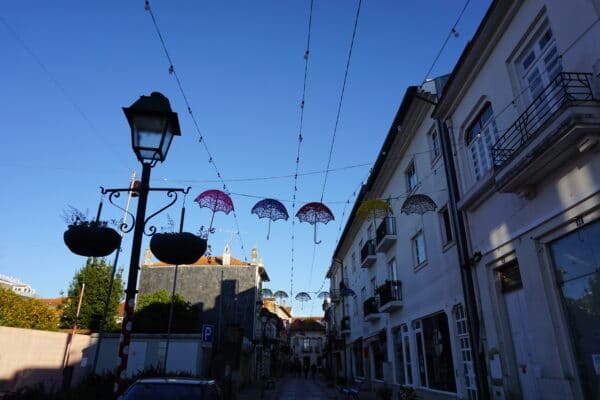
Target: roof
point(208, 261)
point(307, 324)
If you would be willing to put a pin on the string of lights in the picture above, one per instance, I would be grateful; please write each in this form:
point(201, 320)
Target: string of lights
point(201, 138)
point(300, 130)
point(339, 110)
point(452, 31)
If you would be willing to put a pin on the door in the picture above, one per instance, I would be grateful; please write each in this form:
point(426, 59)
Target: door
point(522, 338)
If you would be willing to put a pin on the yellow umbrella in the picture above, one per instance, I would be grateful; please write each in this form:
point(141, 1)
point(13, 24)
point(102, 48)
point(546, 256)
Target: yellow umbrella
point(376, 208)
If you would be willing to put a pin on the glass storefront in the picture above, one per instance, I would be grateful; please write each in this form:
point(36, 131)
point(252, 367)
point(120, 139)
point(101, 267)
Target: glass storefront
point(576, 258)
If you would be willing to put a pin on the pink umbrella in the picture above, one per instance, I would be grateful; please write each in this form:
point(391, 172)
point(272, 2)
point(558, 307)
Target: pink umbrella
point(315, 212)
point(215, 200)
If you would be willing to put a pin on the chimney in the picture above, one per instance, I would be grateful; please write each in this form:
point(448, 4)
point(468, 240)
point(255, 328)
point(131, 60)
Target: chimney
point(227, 255)
point(254, 256)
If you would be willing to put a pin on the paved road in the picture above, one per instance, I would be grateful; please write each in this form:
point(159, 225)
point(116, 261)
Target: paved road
point(292, 388)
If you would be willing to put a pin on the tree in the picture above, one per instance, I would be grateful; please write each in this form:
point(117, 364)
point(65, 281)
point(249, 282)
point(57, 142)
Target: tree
point(18, 312)
point(96, 276)
point(152, 313)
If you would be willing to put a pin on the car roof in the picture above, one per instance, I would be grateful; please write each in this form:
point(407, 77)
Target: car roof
point(178, 381)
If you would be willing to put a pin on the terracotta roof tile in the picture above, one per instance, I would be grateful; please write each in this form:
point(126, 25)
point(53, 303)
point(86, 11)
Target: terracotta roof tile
point(208, 261)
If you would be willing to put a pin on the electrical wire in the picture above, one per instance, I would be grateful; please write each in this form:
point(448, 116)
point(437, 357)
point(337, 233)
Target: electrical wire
point(201, 138)
point(337, 118)
point(452, 31)
point(300, 130)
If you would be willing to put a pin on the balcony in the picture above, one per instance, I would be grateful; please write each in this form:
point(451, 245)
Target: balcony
point(386, 234)
point(370, 310)
point(345, 325)
point(390, 296)
point(562, 121)
point(368, 256)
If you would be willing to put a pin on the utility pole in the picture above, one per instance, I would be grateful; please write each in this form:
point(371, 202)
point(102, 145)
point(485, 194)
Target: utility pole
point(68, 371)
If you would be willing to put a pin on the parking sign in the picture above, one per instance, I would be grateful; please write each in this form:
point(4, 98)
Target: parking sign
point(208, 331)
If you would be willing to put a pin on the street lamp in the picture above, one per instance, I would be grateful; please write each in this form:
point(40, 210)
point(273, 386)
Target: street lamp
point(153, 125)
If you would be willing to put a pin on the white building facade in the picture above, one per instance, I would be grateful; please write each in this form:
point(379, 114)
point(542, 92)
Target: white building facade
point(397, 300)
point(523, 116)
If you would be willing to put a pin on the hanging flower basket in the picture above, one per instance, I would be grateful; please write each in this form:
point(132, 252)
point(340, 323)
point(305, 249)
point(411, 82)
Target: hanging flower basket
point(91, 239)
point(177, 248)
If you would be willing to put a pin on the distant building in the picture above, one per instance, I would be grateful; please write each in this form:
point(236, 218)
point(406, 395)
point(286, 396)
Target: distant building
point(307, 340)
point(226, 290)
point(22, 289)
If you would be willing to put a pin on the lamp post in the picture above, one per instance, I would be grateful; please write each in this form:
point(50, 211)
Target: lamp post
point(153, 125)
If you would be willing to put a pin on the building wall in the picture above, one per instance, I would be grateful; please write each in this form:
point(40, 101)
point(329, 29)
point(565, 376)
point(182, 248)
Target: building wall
point(506, 226)
point(226, 294)
point(29, 357)
point(316, 354)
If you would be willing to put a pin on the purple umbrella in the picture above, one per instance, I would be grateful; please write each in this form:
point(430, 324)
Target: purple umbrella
point(271, 209)
point(215, 200)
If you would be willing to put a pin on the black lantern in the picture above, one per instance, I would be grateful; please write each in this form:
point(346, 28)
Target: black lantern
point(153, 125)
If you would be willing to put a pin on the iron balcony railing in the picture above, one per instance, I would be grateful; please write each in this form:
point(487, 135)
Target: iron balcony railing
point(387, 227)
point(367, 250)
point(370, 306)
point(389, 291)
point(564, 88)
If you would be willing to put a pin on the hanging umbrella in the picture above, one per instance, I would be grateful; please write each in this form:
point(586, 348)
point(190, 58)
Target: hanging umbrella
point(418, 204)
point(345, 292)
point(271, 209)
point(303, 296)
point(376, 208)
point(323, 295)
point(280, 294)
point(214, 200)
point(266, 293)
point(314, 213)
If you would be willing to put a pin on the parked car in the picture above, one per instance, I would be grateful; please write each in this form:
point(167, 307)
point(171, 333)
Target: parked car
point(173, 389)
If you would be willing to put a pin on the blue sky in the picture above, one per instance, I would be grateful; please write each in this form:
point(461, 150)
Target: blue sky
point(69, 66)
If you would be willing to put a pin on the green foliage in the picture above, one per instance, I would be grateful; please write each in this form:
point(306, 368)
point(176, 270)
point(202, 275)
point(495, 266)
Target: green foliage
point(152, 313)
point(18, 312)
point(407, 393)
point(96, 276)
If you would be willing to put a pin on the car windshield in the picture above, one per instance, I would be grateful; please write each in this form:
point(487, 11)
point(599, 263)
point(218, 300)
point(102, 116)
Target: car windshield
point(166, 391)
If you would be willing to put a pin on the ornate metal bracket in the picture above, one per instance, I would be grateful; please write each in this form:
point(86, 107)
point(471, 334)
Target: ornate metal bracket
point(125, 227)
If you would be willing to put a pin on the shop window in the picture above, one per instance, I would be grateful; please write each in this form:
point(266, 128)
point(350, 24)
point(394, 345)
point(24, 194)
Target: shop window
point(379, 351)
point(576, 259)
point(402, 354)
point(436, 369)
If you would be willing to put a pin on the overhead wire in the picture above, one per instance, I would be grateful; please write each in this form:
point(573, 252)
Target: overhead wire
point(452, 31)
point(65, 93)
point(339, 110)
point(201, 138)
point(300, 138)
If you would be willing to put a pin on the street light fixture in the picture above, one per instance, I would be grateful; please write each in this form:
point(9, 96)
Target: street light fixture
point(153, 125)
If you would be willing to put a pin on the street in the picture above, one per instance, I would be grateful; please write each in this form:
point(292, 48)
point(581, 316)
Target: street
point(292, 388)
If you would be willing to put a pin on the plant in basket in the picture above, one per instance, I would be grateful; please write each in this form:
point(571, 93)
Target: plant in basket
point(89, 238)
point(177, 248)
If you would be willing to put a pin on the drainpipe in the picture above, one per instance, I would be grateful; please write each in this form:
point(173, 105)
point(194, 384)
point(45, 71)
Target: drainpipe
point(466, 275)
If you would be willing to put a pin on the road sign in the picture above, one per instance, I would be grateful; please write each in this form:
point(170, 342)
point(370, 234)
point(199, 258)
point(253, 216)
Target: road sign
point(208, 331)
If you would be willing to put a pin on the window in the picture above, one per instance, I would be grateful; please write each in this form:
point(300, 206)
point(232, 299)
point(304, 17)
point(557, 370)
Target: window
point(391, 270)
point(446, 226)
point(576, 262)
point(355, 305)
point(411, 177)
point(306, 345)
point(373, 287)
point(538, 66)
point(436, 369)
point(434, 139)
point(481, 136)
point(354, 261)
point(418, 245)
point(369, 232)
point(464, 346)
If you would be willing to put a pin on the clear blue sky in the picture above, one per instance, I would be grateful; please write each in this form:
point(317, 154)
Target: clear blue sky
point(69, 66)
